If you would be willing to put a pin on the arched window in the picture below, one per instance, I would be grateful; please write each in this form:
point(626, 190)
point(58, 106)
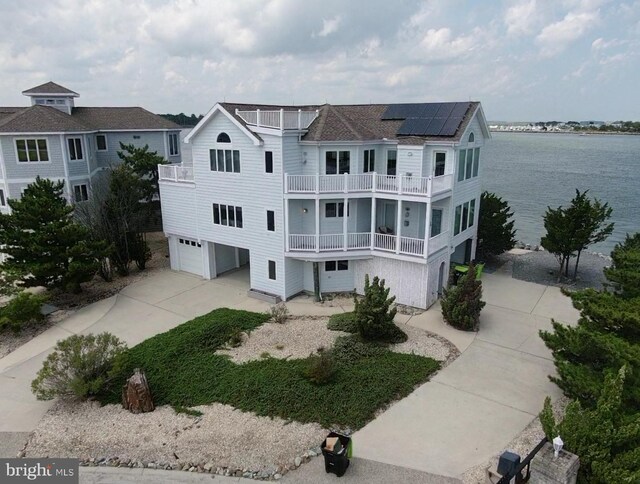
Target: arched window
point(471, 138)
point(223, 138)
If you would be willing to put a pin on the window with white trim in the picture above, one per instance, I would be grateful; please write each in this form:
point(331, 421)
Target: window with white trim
point(224, 160)
point(75, 149)
point(335, 209)
point(468, 163)
point(271, 221)
point(3, 200)
point(440, 162)
point(32, 150)
point(336, 265)
point(80, 193)
point(268, 161)
point(101, 142)
point(272, 270)
point(337, 162)
point(174, 144)
point(369, 161)
point(464, 216)
point(227, 215)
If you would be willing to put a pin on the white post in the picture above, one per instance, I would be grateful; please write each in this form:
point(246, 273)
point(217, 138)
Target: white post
point(175, 173)
point(427, 230)
point(258, 118)
point(373, 182)
point(317, 224)
point(317, 183)
point(373, 222)
point(399, 184)
point(286, 224)
point(345, 181)
point(345, 222)
point(398, 226)
point(299, 118)
point(286, 183)
point(281, 119)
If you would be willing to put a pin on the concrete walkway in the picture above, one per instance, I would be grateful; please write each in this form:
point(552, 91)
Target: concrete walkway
point(466, 414)
point(473, 408)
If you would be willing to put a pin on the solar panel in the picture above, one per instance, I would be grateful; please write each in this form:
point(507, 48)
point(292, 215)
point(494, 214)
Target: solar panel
point(430, 110)
point(394, 111)
point(445, 110)
point(434, 127)
point(414, 126)
point(451, 126)
point(460, 110)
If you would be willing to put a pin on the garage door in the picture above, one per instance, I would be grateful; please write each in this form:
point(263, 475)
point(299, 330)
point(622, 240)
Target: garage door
point(190, 256)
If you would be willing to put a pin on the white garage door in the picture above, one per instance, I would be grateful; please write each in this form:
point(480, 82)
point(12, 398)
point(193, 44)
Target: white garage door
point(190, 256)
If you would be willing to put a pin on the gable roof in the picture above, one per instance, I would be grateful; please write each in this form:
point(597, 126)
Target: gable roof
point(50, 88)
point(354, 122)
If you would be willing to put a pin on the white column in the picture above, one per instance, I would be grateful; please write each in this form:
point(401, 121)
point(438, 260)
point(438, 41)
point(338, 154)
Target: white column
point(345, 222)
point(427, 229)
point(257, 117)
point(373, 222)
point(317, 224)
point(398, 226)
point(285, 216)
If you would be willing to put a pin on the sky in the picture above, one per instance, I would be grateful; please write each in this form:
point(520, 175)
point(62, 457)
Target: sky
point(523, 59)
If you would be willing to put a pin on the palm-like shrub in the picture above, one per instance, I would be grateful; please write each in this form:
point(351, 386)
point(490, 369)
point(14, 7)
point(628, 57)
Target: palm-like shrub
point(461, 304)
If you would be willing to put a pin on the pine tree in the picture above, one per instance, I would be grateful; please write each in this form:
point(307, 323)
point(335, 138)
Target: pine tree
point(144, 163)
point(461, 304)
point(606, 438)
point(495, 231)
point(46, 247)
point(374, 314)
point(624, 273)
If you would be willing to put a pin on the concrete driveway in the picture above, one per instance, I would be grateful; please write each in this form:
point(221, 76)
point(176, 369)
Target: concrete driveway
point(473, 408)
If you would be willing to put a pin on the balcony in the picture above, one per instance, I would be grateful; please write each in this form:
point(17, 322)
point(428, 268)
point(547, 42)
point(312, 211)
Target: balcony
point(175, 173)
point(368, 182)
point(279, 119)
point(364, 241)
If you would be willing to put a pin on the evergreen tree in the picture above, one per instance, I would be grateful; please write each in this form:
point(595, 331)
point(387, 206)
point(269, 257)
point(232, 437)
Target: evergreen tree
point(495, 231)
point(46, 247)
point(559, 237)
point(606, 438)
point(374, 315)
point(461, 304)
point(144, 163)
point(588, 219)
point(624, 273)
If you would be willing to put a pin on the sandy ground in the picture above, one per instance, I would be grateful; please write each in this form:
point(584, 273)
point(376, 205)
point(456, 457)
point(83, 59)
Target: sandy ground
point(92, 291)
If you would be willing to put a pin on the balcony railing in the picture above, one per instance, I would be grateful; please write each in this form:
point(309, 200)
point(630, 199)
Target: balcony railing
point(368, 182)
point(278, 119)
point(175, 173)
point(363, 241)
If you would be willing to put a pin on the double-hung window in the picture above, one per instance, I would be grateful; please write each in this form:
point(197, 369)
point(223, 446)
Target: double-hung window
point(80, 193)
point(75, 149)
point(227, 215)
point(337, 162)
point(392, 162)
point(440, 162)
point(174, 144)
point(32, 150)
point(101, 142)
point(369, 161)
point(224, 160)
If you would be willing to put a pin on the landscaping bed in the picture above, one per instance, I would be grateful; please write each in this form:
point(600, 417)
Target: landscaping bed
point(253, 412)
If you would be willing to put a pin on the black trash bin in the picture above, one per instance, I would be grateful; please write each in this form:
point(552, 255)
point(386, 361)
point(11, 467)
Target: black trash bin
point(337, 462)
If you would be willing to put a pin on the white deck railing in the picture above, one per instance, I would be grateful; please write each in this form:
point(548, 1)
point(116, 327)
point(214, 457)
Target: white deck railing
point(384, 242)
point(412, 246)
point(368, 182)
point(438, 242)
point(278, 119)
point(175, 173)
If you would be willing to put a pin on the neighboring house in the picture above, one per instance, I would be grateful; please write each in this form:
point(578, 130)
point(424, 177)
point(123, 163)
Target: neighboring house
point(54, 139)
point(386, 190)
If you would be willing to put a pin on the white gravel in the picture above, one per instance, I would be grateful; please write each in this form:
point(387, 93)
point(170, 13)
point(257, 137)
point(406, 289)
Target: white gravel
point(422, 343)
point(224, 436)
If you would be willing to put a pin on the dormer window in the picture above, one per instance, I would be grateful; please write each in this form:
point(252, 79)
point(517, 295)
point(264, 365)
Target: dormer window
point(472, 138)
point(223, 138)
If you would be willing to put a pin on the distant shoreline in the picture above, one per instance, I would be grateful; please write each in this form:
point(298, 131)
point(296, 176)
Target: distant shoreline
point(578, 133)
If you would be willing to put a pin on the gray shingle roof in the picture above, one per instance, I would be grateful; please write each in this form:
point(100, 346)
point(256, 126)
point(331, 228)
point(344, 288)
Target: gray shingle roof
point(45, 119)
point(354, 122)
point(50, 88)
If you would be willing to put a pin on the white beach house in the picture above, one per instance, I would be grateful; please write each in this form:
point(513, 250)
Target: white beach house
point(310, 196)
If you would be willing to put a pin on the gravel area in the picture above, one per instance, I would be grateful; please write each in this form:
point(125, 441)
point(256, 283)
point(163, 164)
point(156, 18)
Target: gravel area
point(302, 336)
point(297, 338)
point(522, 444)
point(223, 436)
point(542, 267)
point(9, 341)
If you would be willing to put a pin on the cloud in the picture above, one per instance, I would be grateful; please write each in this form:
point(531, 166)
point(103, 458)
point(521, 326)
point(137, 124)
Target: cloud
point(521, 18)
point(329, 26)
point(555, 37)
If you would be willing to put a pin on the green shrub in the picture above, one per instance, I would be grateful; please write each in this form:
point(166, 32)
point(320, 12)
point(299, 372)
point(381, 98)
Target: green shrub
point(78, 366)
point(343, 322)
point(350, 349)
point(279, 313)
point(374, 315)
point(462, 303)
point(320, 368)
point(21, 310)
point(236, 338)
point(606, 439)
